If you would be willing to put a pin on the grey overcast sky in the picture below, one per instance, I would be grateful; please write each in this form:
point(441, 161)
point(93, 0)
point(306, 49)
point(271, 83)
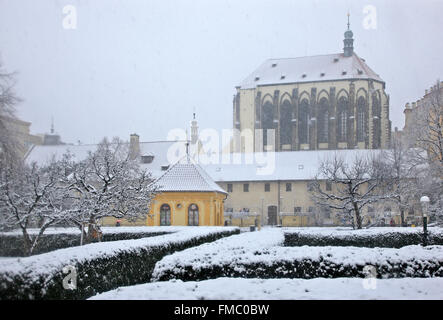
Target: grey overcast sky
point(143, 66)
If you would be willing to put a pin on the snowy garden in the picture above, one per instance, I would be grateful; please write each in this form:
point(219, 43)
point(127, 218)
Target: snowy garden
point(222, 263)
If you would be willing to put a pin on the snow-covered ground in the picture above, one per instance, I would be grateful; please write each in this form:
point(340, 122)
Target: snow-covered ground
point(270, 289)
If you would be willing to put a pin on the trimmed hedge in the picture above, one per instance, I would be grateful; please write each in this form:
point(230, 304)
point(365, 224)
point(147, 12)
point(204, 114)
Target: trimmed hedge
point(354, 238)
point(305, 263)
point(304, 269)
point(100, 266)
point(12, 245)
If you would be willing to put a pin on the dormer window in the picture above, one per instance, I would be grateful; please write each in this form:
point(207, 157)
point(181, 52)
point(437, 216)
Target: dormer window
point(359, 71)
point(147, 159)
point(322, 74)
point(165, 167)
point(303, 75)
point(282, 77)
point(335, 59)
point(343, 72)
point(274, 65)
point(257, 78)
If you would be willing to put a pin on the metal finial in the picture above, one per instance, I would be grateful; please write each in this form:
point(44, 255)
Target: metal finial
point(52, 125)
point(348, 20)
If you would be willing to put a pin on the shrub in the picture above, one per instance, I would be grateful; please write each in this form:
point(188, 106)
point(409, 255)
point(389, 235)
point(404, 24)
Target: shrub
point(370, 238)
point(230, 257)
point(100, 266)
point(11, 243)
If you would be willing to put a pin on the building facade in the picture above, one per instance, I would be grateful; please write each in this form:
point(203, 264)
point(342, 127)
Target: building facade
point(333, 101)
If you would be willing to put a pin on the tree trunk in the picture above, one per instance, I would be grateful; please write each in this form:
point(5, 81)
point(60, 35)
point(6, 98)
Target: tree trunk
point(26, 243)
point(402, 217)
point(357, 216)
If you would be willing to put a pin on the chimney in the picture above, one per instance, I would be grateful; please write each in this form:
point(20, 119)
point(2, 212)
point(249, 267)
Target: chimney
point(134, 146)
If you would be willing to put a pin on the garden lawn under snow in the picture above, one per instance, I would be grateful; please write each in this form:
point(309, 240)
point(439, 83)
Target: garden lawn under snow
point(268, 289)
point(260, 254)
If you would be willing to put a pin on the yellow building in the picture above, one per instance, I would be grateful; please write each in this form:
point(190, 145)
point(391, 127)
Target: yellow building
point(188, 197)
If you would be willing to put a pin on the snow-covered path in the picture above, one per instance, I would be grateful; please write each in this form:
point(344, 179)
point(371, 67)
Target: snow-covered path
point(288, 289)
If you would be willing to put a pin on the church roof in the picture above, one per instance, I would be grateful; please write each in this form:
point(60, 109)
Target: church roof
point(329, 67)
point(187, 176)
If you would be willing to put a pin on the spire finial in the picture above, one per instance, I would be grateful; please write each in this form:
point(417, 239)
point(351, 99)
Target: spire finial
point(348, 20)
point(52, 125)
point(348, 49)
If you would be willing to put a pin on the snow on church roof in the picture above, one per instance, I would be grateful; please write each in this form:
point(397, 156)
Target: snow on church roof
point(329, 67)
point(186, 175)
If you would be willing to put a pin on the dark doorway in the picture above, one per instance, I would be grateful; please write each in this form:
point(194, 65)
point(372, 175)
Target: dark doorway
point(272, 215)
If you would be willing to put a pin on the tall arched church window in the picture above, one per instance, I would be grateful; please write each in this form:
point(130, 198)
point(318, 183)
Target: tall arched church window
point(376, 112)
point(285, 123)
point(361, 112)
point(267, 121)
point(303, 122)
point(165, 215)
point(342, 119)
point(323, 120)
point(193, 215)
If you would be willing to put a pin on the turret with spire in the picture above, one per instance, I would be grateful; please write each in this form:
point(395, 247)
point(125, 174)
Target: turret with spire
point(348, 49)
point(194, 130)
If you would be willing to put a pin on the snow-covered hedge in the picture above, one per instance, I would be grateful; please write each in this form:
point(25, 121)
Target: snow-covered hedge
point(257, 255)
point(11, 243)
point(388, 237)
point(99, 266)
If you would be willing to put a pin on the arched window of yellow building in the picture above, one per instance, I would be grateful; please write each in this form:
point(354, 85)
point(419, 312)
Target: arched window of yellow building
point(193, 215)
point(165, 215)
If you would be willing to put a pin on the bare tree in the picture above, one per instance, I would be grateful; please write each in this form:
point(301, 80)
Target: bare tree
point(109, 183)
point(31, 196)
point(353, 186)
point(399, 172)
point(8, 101)
point(426, 135)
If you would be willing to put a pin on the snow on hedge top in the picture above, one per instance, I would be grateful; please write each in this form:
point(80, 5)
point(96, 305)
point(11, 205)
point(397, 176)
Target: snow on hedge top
point(54, 261)
point(222, 251)
point(345, 232)
point(105, 230)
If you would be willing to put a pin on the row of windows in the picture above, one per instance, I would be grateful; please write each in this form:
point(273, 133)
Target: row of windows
point(288, 186)
point(305, 118)
point(165, 215)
